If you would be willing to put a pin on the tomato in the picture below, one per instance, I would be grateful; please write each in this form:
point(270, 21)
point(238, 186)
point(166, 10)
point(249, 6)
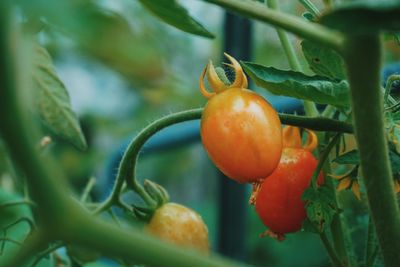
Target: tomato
point(278, 202)
point(240, 130)
point(179, 225)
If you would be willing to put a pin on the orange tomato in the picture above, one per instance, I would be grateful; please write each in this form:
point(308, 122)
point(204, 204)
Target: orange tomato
point(240, 130)
point(179, 225)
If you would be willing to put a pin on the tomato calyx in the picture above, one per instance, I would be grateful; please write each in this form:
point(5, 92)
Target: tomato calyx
point(291, 137)
point(158, 194)
point(217, 78)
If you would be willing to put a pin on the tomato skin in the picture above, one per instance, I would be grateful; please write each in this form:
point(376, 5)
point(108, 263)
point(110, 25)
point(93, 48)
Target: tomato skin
point(278, 201)
point(242, 134)
point(179, 225)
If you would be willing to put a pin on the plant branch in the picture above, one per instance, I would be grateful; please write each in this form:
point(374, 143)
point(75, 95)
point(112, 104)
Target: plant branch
point(309, 107)
point(16, 203)
point(310, 7)
point(112, 241)
point(339, 231)
point(364, 79)
point(127, 169)
point(308, 30)
point(322, 159)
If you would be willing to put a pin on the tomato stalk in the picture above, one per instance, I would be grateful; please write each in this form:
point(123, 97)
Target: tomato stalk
point(332, 254)
point(127, 167)
point(308, 30)
point(310, 7)
point(363, 59)
point(309, 107)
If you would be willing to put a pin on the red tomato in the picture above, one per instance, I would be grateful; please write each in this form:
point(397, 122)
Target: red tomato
point(240, 130)
point(278, 201)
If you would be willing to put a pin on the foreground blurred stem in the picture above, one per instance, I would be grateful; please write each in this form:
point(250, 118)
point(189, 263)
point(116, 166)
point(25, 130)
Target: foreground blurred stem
point(367, 103)
point(307, 30)
point(309, 107)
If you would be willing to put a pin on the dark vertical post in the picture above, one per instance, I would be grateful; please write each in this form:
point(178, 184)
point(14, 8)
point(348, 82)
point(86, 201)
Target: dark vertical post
point(233, 198)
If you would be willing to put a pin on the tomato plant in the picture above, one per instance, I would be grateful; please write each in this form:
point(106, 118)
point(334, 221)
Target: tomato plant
point(343, 44)
point(238, 126)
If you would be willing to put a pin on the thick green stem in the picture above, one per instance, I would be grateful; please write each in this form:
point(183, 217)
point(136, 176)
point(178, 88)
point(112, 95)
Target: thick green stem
point(16, 129)
point(309, 107)
point(290, 23)
point(140, 248)
point(363, 59)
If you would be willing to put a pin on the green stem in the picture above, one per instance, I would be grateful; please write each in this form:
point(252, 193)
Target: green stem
point(144, 249)
point(322, 159)
point(316, 123)
point(16, 203)
point(308, 30)
point(309, 107)
point(310, 7)
point(389, 84)
point(31, 246)
point(335, 260)
point(88, 188)
point(46, 252)
point(128, 163)
point(340, 237)
point(16, 129)
point(364, 78)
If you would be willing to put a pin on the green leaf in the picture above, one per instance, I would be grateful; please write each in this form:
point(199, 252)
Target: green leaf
point(365, 16)
point(323, 61)
point(350, 157)
point(176, 15)
point(52, 100)
point(296, 84)
point(320, 208)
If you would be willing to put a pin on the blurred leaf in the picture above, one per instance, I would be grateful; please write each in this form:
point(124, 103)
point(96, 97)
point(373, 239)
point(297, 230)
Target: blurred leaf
point(296, 84)
point(320, 207)
point(323, 61)
point(108, 37)
point(52, 100)
point(350, 157)
point(174, 14)
point(365, 16)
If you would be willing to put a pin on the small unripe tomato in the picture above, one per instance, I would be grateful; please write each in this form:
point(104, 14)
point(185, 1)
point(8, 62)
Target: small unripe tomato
point(278, 202)
point(179, 225)
point(240, 130)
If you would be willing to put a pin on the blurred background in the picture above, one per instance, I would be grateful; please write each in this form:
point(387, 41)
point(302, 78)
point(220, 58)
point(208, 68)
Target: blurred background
point(134, 69)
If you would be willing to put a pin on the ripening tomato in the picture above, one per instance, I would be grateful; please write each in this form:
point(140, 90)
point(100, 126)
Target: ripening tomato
point(240, 130)
point(179, 225)
point(278, 202)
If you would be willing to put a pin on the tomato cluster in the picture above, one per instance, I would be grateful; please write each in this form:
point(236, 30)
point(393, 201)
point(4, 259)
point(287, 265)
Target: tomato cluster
point(243, 136)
